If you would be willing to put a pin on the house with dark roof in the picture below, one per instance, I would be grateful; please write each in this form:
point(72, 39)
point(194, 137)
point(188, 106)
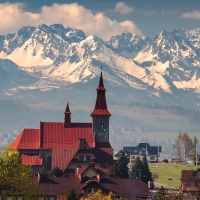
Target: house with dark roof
point(190, 181)
point(57, 187)
point(143, 149)
point(70, 146)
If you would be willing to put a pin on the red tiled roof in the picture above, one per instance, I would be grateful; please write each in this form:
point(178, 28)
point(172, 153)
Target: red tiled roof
point(186, 177)
point(127, 188)
point(54, 135)
point(62, 156)
point(104, 156)
point(28, 139)
point(31, 160)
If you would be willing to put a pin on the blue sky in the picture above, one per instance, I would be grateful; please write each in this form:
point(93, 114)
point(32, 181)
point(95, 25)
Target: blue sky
point(103, 18)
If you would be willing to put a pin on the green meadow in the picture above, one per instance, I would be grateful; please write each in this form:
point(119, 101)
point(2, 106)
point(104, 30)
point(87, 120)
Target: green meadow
point(170, 170)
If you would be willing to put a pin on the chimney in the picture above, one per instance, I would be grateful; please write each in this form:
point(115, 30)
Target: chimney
point(38, 175)
point(77, 171)
point(98, 178)
point(80, 177)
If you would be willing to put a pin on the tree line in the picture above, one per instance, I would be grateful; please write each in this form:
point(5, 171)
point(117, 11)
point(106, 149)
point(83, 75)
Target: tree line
point(186, 147)
point(191, 114)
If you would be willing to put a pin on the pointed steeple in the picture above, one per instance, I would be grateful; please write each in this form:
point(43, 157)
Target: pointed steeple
point(101, 105)
point(67, 122)
point(101, 84)
point(67, 110)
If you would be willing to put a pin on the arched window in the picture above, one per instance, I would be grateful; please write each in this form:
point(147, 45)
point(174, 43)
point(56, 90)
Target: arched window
point(49, 163)
point(101, 126)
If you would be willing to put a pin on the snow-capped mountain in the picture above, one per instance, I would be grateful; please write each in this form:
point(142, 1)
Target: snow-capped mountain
point(58, 57)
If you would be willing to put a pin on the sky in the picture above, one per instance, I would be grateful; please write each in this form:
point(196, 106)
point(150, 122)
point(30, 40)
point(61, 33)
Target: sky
point(103, 18)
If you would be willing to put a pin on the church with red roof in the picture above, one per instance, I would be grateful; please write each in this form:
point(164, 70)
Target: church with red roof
point(72, 147)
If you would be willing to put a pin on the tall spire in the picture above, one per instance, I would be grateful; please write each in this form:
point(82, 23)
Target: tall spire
point(101, 85)
point(67, 122)
point(101, 105)
point(67, 110)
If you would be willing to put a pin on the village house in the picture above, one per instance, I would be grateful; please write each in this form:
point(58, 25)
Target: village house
point(143, 149)
point(190, 181)
point(56, 187)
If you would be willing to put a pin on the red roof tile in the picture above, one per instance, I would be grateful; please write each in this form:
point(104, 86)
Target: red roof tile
point(186, 177)
point(31, 160)
point(127, 188)
point(62, 156)
point(28, 139)
point(54, 135)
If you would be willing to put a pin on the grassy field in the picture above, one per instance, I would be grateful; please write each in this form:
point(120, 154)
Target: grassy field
point(170, 170)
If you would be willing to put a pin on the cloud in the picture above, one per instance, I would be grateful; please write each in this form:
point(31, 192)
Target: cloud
point(193, 15)
point(122, 8)
point(166, 12)
point(149, 13)
point(14, 17)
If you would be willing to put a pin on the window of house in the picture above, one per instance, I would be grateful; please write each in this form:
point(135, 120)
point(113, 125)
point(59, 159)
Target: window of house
point(49, 163)
point(152, 157)
point(81, 158)
point(88, 158)
point(143, 152)
point(84, 147)
point(91, 191)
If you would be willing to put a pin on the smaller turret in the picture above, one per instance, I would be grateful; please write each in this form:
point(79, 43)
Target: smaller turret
point(67, 122)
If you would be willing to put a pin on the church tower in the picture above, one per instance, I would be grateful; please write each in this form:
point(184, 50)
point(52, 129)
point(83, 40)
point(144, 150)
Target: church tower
point(100, 115)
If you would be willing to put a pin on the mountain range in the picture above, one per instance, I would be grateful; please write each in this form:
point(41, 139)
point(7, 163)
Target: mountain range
point(55, 62)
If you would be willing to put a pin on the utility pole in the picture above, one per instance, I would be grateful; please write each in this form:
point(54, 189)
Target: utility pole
point(158, 155)
point(196, 154)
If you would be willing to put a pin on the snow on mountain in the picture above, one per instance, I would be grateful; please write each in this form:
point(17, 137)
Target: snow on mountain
point(176, 55)
point(56, 57)
point(128, 44)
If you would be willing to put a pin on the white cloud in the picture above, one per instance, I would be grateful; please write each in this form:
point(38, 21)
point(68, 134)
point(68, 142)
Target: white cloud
point(149, 12)
point(122, 8)
point(166, 12)
point(194, 15)
point(13, 17)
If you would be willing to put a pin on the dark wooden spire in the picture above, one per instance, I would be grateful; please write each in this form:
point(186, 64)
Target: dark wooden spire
point(67, 122)
point(101, 105)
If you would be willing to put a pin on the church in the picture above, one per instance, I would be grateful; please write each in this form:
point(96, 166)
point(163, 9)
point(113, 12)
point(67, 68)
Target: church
point(73, 147)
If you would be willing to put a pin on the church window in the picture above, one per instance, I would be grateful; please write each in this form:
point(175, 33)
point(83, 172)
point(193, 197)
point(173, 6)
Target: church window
point(101, 126)
point(88, 158)
point(81, 158)
point(49, 163)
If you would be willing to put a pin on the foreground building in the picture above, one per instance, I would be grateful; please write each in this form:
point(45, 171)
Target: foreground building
point(143, 149)
point(190, 181)
point(56, 188)
point(70, 146)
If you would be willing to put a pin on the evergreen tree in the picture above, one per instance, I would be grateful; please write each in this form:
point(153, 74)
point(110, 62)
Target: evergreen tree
point(136, 169)
point(146, 174)
point(120, 168)
point(56, 171)
point(71, 194)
